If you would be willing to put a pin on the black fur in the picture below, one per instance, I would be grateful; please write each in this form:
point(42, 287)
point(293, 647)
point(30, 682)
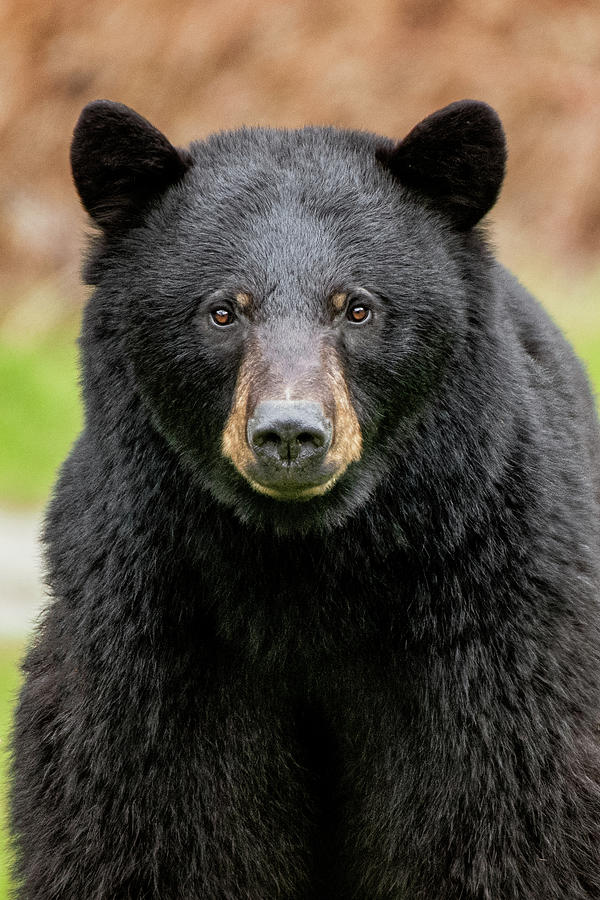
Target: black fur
point(389, 691)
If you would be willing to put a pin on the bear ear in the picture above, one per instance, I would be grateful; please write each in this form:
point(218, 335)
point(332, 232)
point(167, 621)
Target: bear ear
point(455, 158)
point(120, 162)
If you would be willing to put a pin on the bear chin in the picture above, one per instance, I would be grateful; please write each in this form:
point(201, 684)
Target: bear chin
point(282, 516)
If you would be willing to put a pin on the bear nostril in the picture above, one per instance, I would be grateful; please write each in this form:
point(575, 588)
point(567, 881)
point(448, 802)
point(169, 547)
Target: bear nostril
point(259, 439)
point(311, 437)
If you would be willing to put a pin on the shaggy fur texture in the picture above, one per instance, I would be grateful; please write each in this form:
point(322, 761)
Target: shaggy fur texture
point(386, 692)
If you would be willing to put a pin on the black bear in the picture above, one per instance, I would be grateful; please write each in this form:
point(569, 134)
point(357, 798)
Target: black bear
point(325, 558)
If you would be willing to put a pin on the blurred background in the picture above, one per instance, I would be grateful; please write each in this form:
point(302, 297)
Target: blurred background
point(196, 66)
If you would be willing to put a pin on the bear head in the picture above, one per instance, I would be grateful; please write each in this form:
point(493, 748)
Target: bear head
point(288, 301)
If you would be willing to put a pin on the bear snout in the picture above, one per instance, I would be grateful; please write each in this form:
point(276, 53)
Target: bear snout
point(290, 440)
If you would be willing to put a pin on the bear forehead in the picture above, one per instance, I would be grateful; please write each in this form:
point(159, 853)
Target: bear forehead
point(264, 163)
point(302, 245)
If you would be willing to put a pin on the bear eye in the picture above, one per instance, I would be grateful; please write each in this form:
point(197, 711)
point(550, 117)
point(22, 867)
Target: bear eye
point(358, 313)
point(222, 317)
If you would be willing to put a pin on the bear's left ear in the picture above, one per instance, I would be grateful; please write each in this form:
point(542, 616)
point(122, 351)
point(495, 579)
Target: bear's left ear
point(120, 162)
point(455, 158)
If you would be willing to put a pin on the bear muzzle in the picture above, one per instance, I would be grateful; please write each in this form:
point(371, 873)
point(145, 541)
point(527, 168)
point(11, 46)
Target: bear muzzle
point(292, 439)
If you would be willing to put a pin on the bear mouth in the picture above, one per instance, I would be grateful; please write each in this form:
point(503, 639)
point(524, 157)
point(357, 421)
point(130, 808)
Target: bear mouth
point(291, 490)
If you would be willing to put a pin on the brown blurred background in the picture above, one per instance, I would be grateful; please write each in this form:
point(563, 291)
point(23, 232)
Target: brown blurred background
point(195, 67)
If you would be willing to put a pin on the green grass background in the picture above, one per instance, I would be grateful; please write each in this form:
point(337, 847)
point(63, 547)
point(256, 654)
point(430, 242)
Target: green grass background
point(40, 416)
point(39, 413)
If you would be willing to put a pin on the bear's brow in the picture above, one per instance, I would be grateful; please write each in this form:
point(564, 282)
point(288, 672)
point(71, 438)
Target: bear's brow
point(338, 299)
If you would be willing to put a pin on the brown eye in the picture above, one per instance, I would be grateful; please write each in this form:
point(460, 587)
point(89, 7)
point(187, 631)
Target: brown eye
point(358, 313)
point(221, 317)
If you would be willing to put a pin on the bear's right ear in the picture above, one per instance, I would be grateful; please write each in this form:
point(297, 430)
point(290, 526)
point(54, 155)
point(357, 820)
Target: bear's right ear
point(120, 162)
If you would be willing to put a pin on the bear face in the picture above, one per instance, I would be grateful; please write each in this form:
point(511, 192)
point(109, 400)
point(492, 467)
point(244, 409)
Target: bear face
point(291, 304)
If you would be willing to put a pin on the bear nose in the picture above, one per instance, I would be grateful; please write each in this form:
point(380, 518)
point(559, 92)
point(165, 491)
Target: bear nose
point(289, 431)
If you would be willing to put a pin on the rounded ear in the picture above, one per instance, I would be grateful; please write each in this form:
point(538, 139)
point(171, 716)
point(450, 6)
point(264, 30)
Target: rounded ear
point(120, 162)
point(455, 158)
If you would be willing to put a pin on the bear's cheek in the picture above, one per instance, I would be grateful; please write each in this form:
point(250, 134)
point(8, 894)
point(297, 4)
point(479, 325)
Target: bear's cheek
point(188, 394)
